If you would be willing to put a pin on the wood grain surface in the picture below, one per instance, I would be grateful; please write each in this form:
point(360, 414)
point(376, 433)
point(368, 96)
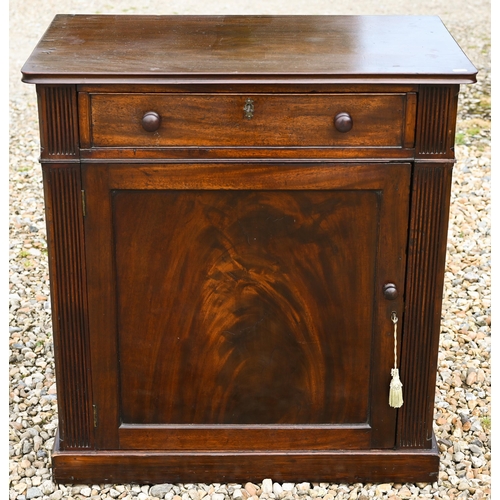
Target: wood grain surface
point(118, 48)
point(240, 303)
point(236, 294)
point(157, 467)
point(219, 120)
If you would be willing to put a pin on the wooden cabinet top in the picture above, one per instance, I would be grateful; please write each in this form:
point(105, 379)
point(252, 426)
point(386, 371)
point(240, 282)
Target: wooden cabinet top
point(80, 49)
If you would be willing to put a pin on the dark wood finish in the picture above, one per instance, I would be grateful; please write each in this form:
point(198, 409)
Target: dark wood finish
point(102, 317)
point(257, 437)
point(58, 122)
point(424, 289)
point(436, 122)
point(235, 206)
point(242, 48)
point(219, 120)
point(257, 262)
point(65, 238)
point(269, 87)
point(252, 271)
point(257, 154)
point(153, 466)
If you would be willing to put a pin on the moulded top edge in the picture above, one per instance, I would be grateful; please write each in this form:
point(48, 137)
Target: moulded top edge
point(48, 79)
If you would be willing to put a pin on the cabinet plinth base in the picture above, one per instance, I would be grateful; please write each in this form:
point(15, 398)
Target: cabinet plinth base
point(140, 466)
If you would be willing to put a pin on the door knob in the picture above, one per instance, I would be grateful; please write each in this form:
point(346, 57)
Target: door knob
point(390, 291)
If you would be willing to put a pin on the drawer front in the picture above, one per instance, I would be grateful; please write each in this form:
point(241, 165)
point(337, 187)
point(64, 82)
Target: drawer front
point(237, 120)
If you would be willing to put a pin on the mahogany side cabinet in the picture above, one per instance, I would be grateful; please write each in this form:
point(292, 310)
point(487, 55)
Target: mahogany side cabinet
point(247, 223)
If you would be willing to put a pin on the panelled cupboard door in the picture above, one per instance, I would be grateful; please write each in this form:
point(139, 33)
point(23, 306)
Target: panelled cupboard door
point(233, 305)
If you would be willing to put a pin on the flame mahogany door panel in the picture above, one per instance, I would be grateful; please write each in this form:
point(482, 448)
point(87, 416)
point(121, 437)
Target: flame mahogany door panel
point(246, 303)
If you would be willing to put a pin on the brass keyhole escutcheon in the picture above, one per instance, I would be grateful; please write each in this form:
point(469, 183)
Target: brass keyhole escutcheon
point(248, 108)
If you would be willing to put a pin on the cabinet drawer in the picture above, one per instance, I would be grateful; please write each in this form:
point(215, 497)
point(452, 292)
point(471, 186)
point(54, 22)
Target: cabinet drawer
point(243, 120)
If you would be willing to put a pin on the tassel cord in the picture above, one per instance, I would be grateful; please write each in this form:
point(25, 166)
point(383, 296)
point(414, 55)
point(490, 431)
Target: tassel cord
point(396, 387)
point(394, 319)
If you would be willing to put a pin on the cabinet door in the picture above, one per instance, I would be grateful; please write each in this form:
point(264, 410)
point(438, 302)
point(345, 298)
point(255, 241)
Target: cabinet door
point(241, 306)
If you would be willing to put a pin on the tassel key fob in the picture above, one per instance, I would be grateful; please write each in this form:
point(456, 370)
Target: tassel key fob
point(396, 387)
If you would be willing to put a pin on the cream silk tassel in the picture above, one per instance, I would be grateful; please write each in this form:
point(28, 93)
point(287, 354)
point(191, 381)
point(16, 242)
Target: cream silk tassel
point(396, 387)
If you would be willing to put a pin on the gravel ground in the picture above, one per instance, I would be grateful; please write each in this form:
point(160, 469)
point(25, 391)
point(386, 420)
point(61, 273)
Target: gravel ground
point(463, 393)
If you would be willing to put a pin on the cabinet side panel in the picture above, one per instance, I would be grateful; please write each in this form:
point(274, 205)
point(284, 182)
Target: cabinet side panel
point(68, 293)
point(424, 288)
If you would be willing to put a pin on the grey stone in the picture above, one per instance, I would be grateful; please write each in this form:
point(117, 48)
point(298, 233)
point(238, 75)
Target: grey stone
point(27, 447)
point(469, 396)
point(160, 490)
point(475, 449)
point(477, 461)
point(34, 493)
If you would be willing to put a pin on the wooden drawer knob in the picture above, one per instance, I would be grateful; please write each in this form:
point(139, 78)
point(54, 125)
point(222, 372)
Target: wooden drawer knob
point(390, 291)
point(343, 122)
point(151, 121)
